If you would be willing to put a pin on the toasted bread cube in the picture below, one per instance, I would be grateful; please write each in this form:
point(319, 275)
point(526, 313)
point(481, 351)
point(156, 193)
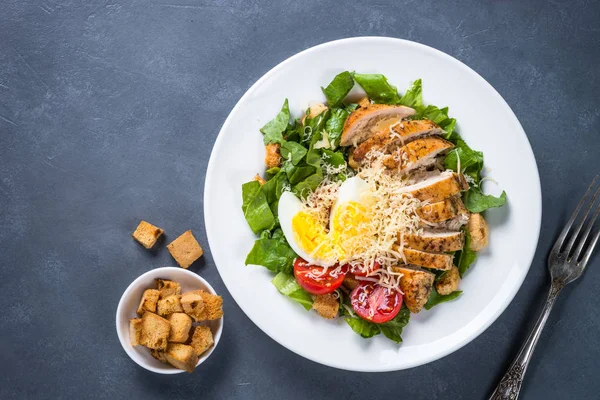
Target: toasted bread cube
point(364, 102)
point(185, 249)
point(182, 356)
point(202, 339)
point(193, 305)
point(169, 305)
point(159, 355)
point(135, 331)
point(148, 302)
point(350, 282)
point(147, 234)
point(213, 307)
point(326, 305)
point(273, 155)
point(167, 288)
point(155, 331)
point(448, 282)
point(181, 324)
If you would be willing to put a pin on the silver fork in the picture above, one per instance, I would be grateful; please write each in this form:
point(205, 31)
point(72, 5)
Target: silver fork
point(566, 263)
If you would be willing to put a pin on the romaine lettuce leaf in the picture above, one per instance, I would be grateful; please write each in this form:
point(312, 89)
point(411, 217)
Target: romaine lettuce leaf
point(274, 254)
point(468, 158)
point(273, 130)
point(335, 125)
point(413, 96)
point(435, 298)
point(338, 89)
point(364, 328)
point(293, 151)
point(256, 208)
point(287, 285)
point(466, 256)
point(393, 329)
point(275, 186)
point(378, 88)
point(477, 202)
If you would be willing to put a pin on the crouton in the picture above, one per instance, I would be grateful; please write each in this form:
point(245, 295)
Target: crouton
point(192, 304)
point(365, 101)
point(155, 331)
point(147, 234)
point(185, 249)
point(202, 339)
point(350, 282)
point(182, 356)
point(159, 355)
point(180, 327)
point(135, 331)
point(448, 283)
point(169, 305)
point(314, 110)
point(213, 307)
point(167, 288)
point(273, 155)
point(326, 305)
point(148, 302)
point(478, 229)
point(259, 179)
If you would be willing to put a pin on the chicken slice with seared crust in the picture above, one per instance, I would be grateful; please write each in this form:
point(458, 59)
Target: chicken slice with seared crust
point(428, 260)
point(366, 121)
point(416, 285)
point(443, 210)
point(418, 153)
point(437, 187)
point(434, 241)
point(399, 133)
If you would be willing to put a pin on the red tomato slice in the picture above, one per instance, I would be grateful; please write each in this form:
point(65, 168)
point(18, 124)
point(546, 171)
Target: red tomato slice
point(375, 303)
point(358, 272)
point(313, 280)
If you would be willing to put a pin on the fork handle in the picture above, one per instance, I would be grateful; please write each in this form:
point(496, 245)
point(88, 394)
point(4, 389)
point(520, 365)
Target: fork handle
point(510, 385)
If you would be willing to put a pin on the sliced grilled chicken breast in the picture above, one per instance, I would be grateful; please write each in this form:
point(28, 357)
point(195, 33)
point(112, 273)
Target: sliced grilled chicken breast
point(400, 133)
point(442, 210)
point(428, 260)
point(418, 153)
point(416, 285)
point(366, 121)
point(434, 241)
point(437, 187)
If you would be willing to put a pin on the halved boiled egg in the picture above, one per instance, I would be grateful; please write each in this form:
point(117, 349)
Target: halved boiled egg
point(312, 240)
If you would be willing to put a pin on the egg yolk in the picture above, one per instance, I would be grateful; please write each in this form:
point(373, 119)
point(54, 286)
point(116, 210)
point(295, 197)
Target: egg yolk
point(348, 224)
point(312, 237)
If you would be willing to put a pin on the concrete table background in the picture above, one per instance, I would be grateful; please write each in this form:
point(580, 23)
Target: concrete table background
point(108, 113)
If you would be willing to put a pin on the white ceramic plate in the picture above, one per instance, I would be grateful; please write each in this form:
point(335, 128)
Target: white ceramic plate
point(486, 123)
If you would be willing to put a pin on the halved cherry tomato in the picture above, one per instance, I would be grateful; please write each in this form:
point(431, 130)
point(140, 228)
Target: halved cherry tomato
point(360, 272)
point(375, 303)
point(313, 280)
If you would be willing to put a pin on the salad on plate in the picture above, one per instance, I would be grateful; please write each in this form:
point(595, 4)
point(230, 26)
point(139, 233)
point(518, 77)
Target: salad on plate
point(368, 211)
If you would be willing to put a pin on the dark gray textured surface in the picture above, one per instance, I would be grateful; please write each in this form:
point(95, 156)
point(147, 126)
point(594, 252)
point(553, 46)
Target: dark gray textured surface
point(108, 112)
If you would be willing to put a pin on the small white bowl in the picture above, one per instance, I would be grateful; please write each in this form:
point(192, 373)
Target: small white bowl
point(129, 303)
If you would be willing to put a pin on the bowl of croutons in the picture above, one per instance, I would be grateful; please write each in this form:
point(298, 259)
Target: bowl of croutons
point(169, 320)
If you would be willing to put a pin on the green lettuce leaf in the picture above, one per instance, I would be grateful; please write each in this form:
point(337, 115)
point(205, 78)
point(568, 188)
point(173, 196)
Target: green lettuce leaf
point(314, 126)
point(378, 88)
point(333, 158)
point(469, 158)
point(275, 186)
point(287, 285)
point(273, 130)
point(466, 256)
point(435, 298)
point(477, 202)
point(413, 96)
point(363, 327)
point(293, 151)
point(338, 89)
point(274, 254)
point(335, 125)
point(393, 329)
point(256, 208)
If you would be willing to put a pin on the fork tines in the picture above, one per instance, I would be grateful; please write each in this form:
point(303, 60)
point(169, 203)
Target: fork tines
point(574, 249)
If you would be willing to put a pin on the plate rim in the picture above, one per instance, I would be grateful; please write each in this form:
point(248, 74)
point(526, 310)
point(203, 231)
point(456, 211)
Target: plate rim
point(508, 299)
